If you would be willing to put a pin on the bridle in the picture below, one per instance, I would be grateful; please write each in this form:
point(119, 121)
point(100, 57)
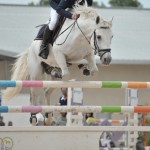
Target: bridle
point(96, 48)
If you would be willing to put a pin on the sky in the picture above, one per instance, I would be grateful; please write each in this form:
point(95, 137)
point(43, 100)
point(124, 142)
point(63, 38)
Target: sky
point(145, 3)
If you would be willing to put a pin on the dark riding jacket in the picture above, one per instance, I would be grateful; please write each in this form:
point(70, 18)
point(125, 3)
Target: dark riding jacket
point(61, 5)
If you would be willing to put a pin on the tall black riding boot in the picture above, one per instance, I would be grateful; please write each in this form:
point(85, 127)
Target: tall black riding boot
point(44, 50)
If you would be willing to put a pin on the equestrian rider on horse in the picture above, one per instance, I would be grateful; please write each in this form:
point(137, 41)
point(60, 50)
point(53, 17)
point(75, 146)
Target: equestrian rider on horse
point(58, 8)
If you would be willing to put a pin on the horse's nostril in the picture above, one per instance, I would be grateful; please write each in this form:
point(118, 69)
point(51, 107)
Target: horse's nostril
point(105, 60)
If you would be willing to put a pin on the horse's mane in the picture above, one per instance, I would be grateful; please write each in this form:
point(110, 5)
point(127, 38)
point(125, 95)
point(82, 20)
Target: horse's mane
point(105, 24)
point(87, 11)
point(90, 12)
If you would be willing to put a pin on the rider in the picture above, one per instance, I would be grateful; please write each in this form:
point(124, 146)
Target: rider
point(58, 8)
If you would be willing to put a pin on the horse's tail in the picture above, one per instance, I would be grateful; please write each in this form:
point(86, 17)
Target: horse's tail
point(19, 72)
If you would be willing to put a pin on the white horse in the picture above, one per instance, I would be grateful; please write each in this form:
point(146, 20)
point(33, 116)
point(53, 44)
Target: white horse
point(90, 34)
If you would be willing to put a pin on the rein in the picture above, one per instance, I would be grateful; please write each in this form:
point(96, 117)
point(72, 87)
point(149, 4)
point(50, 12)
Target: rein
point(71, 26)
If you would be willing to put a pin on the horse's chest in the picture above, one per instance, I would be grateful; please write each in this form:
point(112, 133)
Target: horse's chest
point(77, 50)
point(77, 53)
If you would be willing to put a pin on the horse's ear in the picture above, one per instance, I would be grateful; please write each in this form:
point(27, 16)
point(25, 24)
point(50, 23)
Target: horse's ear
point(85, 3)
point(110, 22)
point(112, 19)
point(97, 20)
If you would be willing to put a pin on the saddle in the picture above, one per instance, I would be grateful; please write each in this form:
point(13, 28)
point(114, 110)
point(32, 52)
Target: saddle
point(55, 33)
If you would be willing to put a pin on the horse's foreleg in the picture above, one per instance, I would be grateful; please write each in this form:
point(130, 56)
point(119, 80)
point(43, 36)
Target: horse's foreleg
point(61, 61)
point(91, 63)
point(84, 69)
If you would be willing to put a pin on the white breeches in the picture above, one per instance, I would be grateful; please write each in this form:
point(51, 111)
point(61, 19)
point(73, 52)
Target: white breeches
point(54, 16)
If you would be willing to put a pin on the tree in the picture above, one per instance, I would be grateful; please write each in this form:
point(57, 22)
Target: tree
point(95, 4)
point(31, 4)
point(103, 5)
point(46, 2)
point(125, 3)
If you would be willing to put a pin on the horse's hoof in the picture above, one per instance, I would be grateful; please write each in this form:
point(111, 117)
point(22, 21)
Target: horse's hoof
point(36, 119)
point(48, 115)
point(33, 119)
point(58, 75)
point(86, 72)
point(48, 119)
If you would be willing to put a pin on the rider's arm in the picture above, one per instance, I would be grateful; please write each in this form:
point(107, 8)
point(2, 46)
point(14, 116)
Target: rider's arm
point(53, 4)
point(61, 9)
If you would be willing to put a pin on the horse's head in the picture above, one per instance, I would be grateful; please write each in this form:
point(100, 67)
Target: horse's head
point(99, 29)
point(102, 40)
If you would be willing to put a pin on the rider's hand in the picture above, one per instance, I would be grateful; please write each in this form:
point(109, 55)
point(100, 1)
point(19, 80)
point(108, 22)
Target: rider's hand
point(75, 16)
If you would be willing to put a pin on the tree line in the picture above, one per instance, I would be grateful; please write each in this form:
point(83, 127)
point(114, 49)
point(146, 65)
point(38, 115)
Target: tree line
point(112, 3)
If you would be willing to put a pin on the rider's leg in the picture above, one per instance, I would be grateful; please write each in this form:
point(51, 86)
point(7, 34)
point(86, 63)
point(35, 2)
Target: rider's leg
point(44, 46)
point(44, 50)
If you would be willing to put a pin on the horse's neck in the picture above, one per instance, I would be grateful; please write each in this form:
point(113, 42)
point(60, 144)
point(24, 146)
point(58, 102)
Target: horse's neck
point(84, 27)
point(86, 24)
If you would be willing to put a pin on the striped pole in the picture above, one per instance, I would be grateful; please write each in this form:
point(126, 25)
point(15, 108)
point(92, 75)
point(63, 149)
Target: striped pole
point(110, 121)
point(74, 84)
point(98, 109)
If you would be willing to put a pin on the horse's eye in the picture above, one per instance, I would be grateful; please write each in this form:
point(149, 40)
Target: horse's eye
point(99, 37)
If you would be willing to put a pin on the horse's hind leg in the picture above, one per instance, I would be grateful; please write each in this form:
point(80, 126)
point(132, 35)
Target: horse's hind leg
point(48, 92)
point(91, 63)
point(48, 116)
point(61, 61)
point(37, 97)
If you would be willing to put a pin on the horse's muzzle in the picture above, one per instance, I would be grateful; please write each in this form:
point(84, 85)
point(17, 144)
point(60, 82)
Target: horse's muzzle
point(107, 61)
point(106, 56)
